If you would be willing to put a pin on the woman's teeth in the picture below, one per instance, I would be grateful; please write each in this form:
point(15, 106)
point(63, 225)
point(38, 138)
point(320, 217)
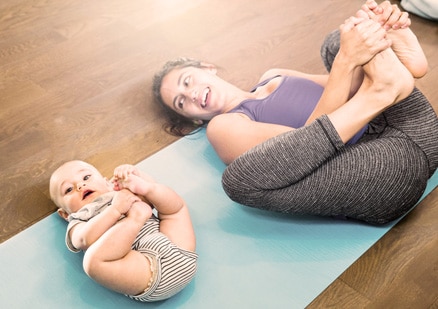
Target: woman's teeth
point(204, 97)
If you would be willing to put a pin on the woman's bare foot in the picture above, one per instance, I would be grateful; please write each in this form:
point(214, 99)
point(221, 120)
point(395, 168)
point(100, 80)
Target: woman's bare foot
point(404, 43)
point(407, 48)
point(389, 81)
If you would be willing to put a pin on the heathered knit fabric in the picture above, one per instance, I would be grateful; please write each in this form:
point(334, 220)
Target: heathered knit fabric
point(310, 170)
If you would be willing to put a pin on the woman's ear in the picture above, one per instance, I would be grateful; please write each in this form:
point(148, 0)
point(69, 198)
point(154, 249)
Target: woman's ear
point(62, 213)
point(211, 68)
point(198, 122)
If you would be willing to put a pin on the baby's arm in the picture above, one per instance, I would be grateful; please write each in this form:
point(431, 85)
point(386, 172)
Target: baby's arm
point(173, 212)
point(111, 261)
point(83, 235)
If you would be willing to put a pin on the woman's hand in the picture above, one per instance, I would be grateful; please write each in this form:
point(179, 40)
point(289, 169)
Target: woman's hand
point(388, 15)
point(361, 40)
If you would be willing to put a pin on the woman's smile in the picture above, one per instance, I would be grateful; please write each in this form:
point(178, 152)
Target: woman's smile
point(205, 97)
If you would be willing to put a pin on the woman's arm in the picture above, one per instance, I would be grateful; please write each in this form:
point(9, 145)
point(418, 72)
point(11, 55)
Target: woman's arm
point(233, 134)
point(361, 40)
point(358, 46)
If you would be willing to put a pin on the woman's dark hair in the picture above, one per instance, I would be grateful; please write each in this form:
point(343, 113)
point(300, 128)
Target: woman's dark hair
point(176, 124)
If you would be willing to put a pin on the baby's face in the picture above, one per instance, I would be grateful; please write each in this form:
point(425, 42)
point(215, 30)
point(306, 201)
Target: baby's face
point(75, 184)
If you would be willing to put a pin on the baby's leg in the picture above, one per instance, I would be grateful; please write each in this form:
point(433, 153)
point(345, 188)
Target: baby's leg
point(110, 260)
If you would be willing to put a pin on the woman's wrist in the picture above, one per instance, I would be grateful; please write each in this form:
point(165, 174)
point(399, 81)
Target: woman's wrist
point(344, 63)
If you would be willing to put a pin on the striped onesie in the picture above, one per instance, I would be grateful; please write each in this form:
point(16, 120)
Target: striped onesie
point(172, 267)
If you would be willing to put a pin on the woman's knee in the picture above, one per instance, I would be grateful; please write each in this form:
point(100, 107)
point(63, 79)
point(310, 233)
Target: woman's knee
point(241, 187)
point(400, 189)
point(330, 48)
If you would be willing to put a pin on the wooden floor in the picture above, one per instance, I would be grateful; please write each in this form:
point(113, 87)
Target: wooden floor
point(75, 80)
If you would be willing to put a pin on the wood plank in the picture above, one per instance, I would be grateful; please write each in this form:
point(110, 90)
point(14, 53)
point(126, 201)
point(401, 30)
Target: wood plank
point(75, 83)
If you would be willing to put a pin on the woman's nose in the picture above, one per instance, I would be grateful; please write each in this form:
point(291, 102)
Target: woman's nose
point(194, 95)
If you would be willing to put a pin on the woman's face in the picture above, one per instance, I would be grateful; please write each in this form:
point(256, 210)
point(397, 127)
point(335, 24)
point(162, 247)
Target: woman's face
point(196, 93)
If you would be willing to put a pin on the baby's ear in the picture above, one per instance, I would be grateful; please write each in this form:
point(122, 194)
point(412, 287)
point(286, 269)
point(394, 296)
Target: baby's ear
point(62, 213)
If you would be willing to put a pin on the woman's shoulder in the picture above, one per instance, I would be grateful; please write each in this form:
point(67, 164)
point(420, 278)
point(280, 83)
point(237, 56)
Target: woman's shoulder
point(223, 121)
point(225, 125)
point(271, 73)
point(320, 79)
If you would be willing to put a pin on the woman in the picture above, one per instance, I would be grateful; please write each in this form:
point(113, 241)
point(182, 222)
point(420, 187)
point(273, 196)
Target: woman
point(359, 143)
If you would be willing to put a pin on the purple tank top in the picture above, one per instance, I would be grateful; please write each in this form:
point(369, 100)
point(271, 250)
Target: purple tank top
point(290, 104)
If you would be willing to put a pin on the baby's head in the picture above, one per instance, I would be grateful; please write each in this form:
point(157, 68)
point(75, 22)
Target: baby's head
point(75, 184)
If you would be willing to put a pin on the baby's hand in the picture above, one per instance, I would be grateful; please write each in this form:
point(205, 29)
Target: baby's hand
point(133, 183)
point(122, 174)
point(140, 212)
point(123, 171)
point(123, 201)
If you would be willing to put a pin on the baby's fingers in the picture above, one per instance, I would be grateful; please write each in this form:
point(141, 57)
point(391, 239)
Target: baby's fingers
point(123, 171)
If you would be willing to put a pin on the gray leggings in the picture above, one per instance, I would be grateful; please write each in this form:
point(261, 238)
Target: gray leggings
point(310, 170)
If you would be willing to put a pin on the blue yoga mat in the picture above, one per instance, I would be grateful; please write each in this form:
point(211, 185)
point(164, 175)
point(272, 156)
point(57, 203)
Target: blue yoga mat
point(248, 258)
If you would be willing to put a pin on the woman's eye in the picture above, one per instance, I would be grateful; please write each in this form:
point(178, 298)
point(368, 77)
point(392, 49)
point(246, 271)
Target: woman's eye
point(181, 103)
point(186, 81)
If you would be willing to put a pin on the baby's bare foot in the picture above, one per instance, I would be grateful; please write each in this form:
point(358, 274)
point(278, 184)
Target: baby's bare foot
point(389, 80)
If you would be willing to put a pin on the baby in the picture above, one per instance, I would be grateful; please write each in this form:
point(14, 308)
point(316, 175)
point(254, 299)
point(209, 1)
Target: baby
point(127, 248)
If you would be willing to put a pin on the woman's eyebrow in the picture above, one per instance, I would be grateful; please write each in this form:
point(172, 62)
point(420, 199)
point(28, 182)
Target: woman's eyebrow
point(175, 99)
point(180, 78)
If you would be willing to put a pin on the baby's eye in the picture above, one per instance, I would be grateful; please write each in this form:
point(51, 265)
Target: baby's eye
point(68, 190)
point(86, 177)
